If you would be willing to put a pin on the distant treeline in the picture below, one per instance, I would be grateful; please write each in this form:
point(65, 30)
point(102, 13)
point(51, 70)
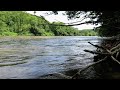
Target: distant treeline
point(14, 23)
point(88, 32)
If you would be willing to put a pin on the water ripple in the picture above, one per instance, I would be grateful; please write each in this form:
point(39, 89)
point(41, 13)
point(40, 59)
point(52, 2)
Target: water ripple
point(30, 57)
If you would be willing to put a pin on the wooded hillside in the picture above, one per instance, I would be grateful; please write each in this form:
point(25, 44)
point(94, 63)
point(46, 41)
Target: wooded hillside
point(13, 23)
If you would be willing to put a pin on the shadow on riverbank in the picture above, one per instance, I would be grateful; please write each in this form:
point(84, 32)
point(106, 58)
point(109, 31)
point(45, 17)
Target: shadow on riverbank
point(61, 75)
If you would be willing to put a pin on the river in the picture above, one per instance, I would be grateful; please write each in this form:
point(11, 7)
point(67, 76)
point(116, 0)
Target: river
point(30, 57)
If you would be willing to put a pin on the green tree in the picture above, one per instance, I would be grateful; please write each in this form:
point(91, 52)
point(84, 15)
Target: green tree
point(22, 23)
point(109, 20)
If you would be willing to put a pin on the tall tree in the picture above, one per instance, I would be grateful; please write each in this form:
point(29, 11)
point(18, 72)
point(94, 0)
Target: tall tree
point(109, 20)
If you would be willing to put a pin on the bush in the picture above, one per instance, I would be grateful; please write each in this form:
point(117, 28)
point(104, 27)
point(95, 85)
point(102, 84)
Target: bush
point(48, 34)
point(9, 34)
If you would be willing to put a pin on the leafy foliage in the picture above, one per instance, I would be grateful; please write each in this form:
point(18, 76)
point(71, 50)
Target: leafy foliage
point(109, 20)
point(21, 23)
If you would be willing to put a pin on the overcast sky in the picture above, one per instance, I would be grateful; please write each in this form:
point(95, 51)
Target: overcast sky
point(62, 18)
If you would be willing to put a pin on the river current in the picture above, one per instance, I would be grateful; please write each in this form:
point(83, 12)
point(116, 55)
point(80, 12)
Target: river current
point(31, 57)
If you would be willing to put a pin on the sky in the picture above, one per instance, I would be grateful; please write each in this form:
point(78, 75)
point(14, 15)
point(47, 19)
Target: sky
point(62, 18)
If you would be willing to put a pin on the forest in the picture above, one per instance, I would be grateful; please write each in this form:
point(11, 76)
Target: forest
point(70, 54)
point(17, 23)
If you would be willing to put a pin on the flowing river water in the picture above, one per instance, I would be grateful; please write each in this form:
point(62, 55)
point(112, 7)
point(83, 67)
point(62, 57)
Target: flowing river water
point(31, 57)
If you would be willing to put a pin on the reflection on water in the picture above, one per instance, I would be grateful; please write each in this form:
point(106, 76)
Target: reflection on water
point(30, 57)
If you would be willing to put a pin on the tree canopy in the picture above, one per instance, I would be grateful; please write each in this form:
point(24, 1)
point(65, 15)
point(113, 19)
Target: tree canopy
point(109, 20)
point(22, 23)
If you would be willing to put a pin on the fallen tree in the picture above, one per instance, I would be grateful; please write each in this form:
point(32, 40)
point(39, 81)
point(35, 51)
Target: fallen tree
point(112, 53)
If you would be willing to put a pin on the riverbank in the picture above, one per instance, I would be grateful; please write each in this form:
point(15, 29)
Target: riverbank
point(108, 75)
point(62, 75)
point(54, 76)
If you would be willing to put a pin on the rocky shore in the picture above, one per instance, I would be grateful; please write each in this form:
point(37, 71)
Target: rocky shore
point(55, 76)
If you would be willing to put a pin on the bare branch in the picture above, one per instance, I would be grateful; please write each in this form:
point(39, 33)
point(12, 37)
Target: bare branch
point(116, 47)
point(96, 45)
point(109, 53)
point(94, 52)
point(68, 24)
point(79, 72)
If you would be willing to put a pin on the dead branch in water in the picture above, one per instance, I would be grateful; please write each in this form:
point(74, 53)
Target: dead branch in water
point(80, 71)
point(110, 53)
point(94, 52)
point(96, 46)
